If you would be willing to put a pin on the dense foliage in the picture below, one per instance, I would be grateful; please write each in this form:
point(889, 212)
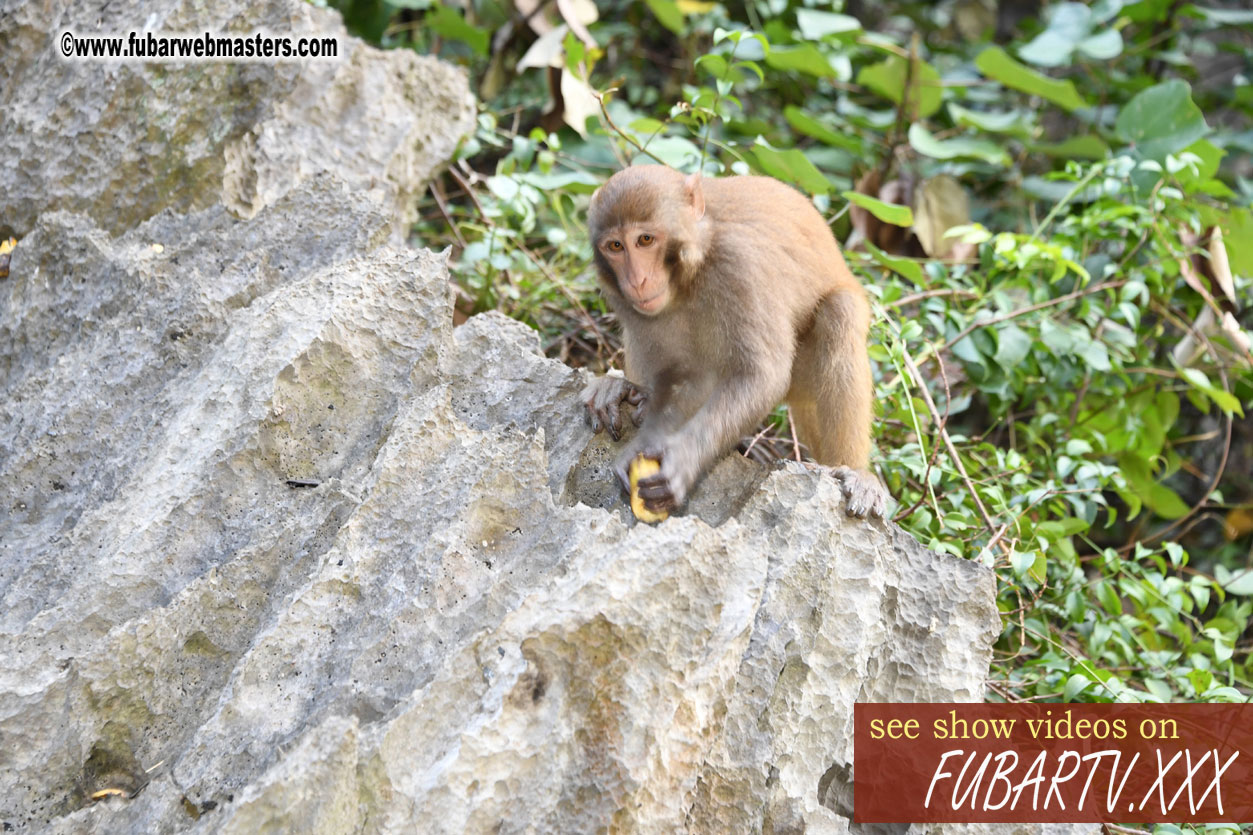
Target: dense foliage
point(1053, 223)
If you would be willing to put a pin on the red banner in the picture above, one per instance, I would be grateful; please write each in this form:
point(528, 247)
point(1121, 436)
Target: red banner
point(1052, 763)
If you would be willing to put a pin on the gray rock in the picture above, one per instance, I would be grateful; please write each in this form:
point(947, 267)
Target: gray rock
point(456, 626)
point(121, 140)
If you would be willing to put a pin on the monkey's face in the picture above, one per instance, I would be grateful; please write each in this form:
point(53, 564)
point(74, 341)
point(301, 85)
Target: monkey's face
point(636, 254)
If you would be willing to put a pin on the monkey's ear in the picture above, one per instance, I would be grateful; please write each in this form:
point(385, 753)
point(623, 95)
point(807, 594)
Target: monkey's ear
point(691, 185)
point(595, 194)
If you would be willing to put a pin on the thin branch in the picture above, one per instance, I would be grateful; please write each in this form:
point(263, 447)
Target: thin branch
point(948, 443)
point(1014, 314)
point(929, 294)
point(437, 193)
point(604, 112)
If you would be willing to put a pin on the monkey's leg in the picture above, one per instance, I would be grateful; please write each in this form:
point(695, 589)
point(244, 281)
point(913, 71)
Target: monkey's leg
point(604, 397)
point(832, 391)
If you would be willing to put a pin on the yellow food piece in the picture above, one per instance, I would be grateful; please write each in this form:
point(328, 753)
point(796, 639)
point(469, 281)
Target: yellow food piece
point(642, 467)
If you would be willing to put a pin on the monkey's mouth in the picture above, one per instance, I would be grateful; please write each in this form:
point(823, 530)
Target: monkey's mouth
point(652, 304)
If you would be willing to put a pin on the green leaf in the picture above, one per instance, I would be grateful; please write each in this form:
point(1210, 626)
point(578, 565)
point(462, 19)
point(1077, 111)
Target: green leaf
point(959, 146)
point(892, 213)
point(1156, 496)
point(715, 65)
point(1158, 688)
point(667, 12)
point(1021, 561)
point(995, 63)
point(1238, 238)
point(802, 122)
point(1058, 191)
point(1161, 120)
point(675, 151)
point(1210, 157)
point(907, 267)
point(1061, 528)
point(1227, 17)
point(1013, 122)
point(791, 166)
point(1102, 47)
point(1012, 346)
point(887, 78)
point(802, 58)
point(1068, 24)
point(1075, 685)
point(574, 181)
point(1087, 146)
point(1096, 355)
point(816, 25)
point(1108, 595)
point(449, 23)
point(1240, 582)
point(646, 125)
point(1040, 567)
point(1225, 400)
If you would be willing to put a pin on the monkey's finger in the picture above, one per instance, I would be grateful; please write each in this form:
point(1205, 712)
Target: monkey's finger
point(590, 405)
point(603, 418)
point(637, 414)
point(880, 504)
point(624, 477)
point(665, 504)
point(657, 493)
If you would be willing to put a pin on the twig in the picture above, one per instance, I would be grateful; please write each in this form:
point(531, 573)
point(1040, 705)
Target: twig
point(1218, 474)
point(1014, 314)
point(755, 439)
point(604, 112)
point(565, 291)
point(948, 443)
point(436, 192)
point(929, 294)
point(796, 444)
point(465, 186)
point(1065, 201)
point(935, 449)
point(535, 259)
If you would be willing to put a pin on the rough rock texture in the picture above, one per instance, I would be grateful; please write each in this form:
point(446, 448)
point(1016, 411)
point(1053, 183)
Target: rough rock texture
point(121, 140)
point(447, 633)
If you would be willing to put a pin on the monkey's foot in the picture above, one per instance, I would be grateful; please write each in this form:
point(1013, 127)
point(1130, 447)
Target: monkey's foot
point(604, 397)
point(864, 494)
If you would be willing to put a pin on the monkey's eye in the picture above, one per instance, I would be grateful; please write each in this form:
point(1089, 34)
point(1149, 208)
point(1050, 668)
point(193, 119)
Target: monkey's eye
point(615, 246)
point(645, 240)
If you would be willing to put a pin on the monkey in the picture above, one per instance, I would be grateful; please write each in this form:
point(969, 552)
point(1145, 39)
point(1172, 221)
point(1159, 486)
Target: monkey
point(733, 297)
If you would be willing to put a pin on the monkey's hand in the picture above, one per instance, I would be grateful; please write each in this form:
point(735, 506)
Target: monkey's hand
point(864, 494)
point(604, 397)
point(666, 489)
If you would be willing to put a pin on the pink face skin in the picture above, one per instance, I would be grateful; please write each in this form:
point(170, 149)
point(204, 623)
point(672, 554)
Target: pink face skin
point(637, 255)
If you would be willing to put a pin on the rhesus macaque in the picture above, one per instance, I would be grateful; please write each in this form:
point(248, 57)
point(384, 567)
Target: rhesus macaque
point(733, 296)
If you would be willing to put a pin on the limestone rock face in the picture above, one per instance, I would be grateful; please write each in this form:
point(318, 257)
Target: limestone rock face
point(281, 549)
point(121, 140)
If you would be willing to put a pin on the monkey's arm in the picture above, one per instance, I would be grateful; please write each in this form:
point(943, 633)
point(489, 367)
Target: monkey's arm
point(687, 449)
point(604, 397)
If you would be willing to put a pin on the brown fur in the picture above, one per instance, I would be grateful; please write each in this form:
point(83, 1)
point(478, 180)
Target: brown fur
point(741, 300)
